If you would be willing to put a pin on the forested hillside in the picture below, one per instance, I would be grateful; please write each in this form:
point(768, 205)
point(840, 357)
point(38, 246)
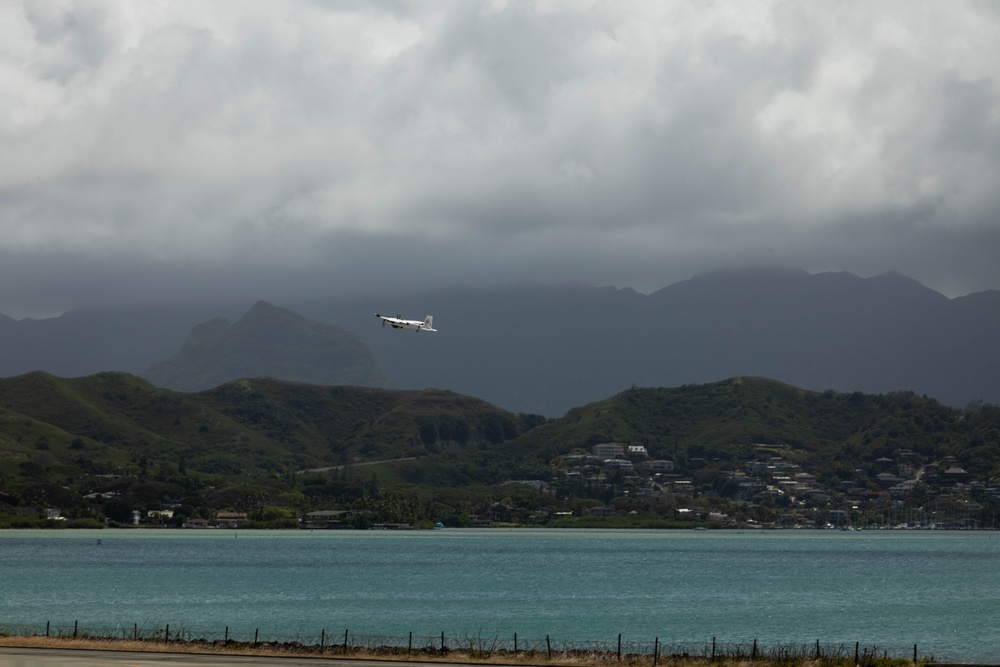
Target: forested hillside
point(744, 451)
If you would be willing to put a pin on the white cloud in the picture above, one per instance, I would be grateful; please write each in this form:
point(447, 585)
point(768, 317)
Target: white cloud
point(541, 139)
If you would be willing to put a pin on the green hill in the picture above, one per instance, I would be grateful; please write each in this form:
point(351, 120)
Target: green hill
point(98, 447)
point(245, 428)
point(749, 410)
point(730, 420)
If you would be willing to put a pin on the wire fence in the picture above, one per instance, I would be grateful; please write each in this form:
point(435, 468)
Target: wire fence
point(481, 646)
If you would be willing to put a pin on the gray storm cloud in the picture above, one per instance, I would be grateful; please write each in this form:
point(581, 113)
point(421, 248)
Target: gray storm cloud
point(293, 147)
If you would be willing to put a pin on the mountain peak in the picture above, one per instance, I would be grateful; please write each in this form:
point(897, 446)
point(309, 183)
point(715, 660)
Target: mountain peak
point(268, 341)
point(263, 308)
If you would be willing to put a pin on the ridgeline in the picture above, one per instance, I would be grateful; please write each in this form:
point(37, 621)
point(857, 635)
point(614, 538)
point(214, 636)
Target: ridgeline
point(112, 449)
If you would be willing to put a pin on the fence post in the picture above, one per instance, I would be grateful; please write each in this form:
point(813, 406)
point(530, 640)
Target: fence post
point(47, 628)
point(225, 642)
point(857, 655)
point(345, 642)
point(322, 639)
point(656, 650)
point(753, 655)
point(74, 628)
point(548, 646)
point(256, 636)
point(442, 640)
point(515, 642)
point(817, 649)
point(914, 653)
point(409, 644)
point(713, 649)
point(135, 631)
point(619, 647)
point(166, 635)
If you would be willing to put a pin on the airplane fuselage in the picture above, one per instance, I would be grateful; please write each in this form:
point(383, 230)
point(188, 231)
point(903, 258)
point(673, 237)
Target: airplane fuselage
point(400, 323)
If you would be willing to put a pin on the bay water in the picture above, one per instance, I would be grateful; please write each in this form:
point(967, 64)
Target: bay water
point(939, 590)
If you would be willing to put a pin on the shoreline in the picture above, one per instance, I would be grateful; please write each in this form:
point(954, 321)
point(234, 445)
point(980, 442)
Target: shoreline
point(426, 656)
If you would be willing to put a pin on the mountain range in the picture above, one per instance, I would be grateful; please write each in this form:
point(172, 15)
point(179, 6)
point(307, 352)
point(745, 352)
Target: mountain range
point(546, 349)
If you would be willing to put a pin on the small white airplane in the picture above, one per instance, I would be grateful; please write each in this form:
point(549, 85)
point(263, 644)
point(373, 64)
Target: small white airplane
point(399, 323)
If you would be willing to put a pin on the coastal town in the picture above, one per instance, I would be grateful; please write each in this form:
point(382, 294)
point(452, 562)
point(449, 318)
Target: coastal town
point(906, 491)
point(621, 481)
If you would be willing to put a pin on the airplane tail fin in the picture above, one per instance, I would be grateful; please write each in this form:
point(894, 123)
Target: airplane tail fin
point(429, 321)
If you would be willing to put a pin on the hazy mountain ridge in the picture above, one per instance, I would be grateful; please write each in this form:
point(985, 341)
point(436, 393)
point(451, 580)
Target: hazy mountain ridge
point(549, 349)
point(268, 341)
point(546, 350)
point(91, 340)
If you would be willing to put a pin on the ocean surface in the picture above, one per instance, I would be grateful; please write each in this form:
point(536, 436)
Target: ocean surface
point(939, 590)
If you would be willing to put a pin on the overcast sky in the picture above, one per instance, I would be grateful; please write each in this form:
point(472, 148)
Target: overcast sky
point(157, 151)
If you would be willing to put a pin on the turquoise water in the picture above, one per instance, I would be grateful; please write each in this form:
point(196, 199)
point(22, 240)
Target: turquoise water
point(939, 590)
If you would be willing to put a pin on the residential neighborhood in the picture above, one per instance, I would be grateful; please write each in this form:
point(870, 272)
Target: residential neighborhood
point(907, 491)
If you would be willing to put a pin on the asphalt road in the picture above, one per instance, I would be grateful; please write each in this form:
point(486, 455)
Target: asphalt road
point(15, 657)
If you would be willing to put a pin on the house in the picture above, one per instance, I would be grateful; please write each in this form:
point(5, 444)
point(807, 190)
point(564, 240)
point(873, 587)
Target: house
point(904, 488)
point(887, 480)
point(159, 516)
point(683, 487)
point(660, 465)
point(326, 519)
point(601, 511)
point(818, 497)
point(751, 488)
point(608, 450)
point(195, 523)
point(230, 519)
point(637, 452)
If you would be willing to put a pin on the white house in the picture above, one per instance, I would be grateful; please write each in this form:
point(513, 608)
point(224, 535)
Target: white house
point(660, 465)
point(608, 450)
